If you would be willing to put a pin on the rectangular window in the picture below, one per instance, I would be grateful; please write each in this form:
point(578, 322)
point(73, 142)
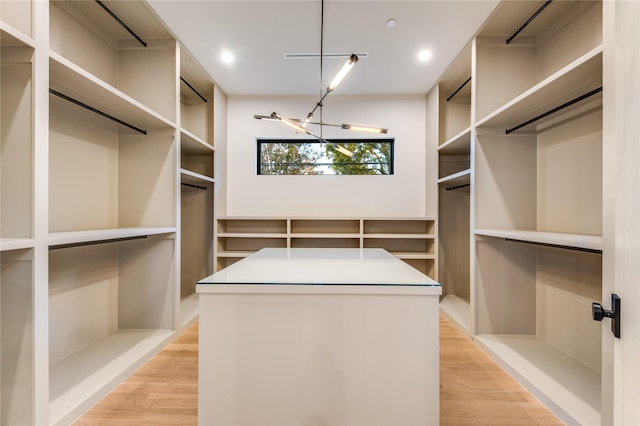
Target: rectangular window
point(335, 157)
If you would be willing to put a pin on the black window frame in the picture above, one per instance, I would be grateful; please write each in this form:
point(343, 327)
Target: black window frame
point(262, 141)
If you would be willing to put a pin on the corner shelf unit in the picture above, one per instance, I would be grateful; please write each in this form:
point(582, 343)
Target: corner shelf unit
point(102, 243)
point(521, 237)
point(413, 240)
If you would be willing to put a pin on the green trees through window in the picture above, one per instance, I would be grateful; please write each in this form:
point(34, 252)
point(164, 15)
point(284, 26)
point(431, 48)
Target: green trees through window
point(311, 157)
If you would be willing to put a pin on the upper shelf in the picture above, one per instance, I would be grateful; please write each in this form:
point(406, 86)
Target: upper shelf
point(62, 239)
point(194, 145)
point(577, 78)
point(71, 80)
point(574, 241)
point(457, 145)
point(10, 36)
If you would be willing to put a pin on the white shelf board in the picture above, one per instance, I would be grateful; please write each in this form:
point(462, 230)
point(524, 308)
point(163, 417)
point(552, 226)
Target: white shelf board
point(457, 311)
point(98, 235)
point(460, 144)
point(579, 241)
point(338, 235)
point(16, 243)
point(550, 374)
point(188, 176)
point(401, 236)
point(234, 254)
point(413, 255)
point(10, 36)
point(580, 76)
point(75, 82)
point(460, 178)
point(194, 145)
point(81, 379)
point(250, 235)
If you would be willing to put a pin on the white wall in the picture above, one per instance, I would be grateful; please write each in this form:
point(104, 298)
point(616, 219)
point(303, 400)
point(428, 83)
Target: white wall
point(401, 194)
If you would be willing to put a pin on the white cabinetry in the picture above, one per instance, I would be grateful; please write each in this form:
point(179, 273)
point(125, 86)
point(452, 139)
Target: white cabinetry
point(413, 240)
point(521, 246)
point(101, 249)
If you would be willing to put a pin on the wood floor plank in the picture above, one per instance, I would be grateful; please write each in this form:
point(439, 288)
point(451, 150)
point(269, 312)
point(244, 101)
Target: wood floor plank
point(474, 390)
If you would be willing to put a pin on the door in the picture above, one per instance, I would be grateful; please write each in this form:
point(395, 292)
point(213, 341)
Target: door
point(621, 268)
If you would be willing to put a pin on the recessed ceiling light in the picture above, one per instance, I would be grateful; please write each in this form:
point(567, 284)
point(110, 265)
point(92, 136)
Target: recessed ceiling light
point(391, 23)
point(424, 55)
point(226, 57)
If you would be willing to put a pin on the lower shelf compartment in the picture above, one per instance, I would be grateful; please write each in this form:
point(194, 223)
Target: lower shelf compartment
point(565, 385)
point(188, 308)
point(83, 378)
point(457, 311)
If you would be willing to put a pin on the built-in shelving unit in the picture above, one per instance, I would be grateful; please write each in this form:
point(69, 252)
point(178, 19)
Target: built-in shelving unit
point(196, 180)
point(106, 198)
point(454, 172)
point(413, 240)
point(521, 198)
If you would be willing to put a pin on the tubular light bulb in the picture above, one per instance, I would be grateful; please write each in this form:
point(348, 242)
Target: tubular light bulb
point(306, 120)
point(343, 72)
point(289, 122)
point(363, 128)
point(343, 150)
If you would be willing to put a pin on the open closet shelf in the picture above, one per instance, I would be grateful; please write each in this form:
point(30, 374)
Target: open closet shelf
point(194, 145)
point(457, 145)
point(16, 243)
point(576, 241)
point(187, 176)
point(100, 235)
point(73, 81)
point(461, 178)
point(105, 362)
point(456, 309)
point(579, 77)
point(555, 375)
point(9, 36)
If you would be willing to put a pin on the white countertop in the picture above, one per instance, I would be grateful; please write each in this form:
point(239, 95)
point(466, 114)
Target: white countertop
point(319, 267)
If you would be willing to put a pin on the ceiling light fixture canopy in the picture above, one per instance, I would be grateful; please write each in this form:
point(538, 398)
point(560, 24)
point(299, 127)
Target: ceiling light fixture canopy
point(301, 125)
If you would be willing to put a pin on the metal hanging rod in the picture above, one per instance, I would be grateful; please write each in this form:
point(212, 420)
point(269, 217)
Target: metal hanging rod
point(560, 246)
point(534, 16)
point(556, 109)
point(119, 21)
point(91, 243)
point(204, 188)
point(192, 88)
point(97, 111)
point(451, 188)
point(458, 89)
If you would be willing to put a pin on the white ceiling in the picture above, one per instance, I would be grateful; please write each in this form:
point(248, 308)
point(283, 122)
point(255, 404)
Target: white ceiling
point(259, 33)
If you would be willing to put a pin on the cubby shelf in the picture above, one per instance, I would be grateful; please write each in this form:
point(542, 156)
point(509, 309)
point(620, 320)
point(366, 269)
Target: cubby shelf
point(15, 243)
point(10, 36)
point(410, 239)
point(188, 176)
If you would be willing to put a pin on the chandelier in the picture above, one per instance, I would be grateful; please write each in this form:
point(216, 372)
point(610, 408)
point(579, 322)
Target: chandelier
point(301, 126)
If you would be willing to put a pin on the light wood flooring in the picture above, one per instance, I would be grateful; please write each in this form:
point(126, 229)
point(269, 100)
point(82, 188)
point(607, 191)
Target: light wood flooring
point(473, 389)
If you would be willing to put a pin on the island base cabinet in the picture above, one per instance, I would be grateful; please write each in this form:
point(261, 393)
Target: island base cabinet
point(318, 358)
